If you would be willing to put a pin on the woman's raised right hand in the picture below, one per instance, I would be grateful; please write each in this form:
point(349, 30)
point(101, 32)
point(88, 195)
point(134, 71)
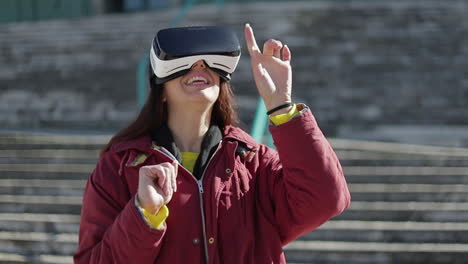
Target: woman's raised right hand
point(156, 185)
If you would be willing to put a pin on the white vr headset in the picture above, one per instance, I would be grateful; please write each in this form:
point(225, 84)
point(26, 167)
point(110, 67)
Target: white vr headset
point(175, 50)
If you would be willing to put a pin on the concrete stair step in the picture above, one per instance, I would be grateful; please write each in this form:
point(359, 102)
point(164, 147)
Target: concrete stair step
point(39, 161)
point(404, 215)
point(50, 223)
point(40, 204)
point(328, 257)
point(406, 211)
point(40, 208)
point(55, 146)
point(399, 232)
point(41, 183)
point(52, 154)
point(404, 170)
point(386, 162)
point(44, 175)
point(408, 206)
point(371, 252)
point(34, 168)
point(456, 197)
point(397, 148)
point(448, 176)
point(41, 191)
point(369, 158)
point(384, 154)
point(390, 236)
point(409, 192)
point(22, 226)
point(8, 258)
point(58, 139)
point(42, 187)
point(30, 243)
point(443, 179)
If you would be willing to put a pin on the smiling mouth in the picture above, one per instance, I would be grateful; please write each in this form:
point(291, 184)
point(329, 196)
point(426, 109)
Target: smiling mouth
point(197, 80)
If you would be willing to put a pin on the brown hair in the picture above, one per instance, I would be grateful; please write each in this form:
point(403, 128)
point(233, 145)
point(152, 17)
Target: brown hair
point(154, 113)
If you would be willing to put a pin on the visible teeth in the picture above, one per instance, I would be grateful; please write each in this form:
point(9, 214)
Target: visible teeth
point(196, 79)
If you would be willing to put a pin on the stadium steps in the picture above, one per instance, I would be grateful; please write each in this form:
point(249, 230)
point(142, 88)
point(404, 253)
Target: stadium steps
point(409, 203)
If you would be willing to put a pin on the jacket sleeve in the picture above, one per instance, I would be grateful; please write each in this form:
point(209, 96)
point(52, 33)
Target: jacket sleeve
point(111, 228)
point(302, 184)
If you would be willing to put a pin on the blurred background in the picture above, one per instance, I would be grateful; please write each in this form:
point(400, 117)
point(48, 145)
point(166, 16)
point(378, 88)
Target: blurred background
point(387, 81)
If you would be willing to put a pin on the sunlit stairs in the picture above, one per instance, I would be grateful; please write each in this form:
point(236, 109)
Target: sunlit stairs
point(41, 184)
point(410, 203)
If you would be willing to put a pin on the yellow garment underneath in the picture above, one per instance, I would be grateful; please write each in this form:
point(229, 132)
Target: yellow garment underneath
point(189, 159)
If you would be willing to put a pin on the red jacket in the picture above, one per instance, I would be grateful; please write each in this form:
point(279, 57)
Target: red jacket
point(250, 210)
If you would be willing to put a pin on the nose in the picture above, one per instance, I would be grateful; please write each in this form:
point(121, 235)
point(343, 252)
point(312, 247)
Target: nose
point(201, 64)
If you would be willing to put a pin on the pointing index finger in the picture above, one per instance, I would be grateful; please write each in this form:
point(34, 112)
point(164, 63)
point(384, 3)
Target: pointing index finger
point(250, 40)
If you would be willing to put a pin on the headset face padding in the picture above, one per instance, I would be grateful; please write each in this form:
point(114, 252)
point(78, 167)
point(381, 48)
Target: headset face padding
point(175, 50)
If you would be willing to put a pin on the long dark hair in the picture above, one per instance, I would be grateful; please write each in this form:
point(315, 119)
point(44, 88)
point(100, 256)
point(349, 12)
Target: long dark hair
point(154, 112)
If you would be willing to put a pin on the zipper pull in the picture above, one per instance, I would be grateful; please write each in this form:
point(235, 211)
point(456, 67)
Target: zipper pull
point(200, 186)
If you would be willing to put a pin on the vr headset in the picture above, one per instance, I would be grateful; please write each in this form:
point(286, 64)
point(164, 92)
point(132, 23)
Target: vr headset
point(175, 50)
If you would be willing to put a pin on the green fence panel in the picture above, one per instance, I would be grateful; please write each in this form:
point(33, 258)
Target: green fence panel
point(49, 9)
point(31, 10)
point(8, 10)
point(26, 10)
point(140, 5)
point(73, 8)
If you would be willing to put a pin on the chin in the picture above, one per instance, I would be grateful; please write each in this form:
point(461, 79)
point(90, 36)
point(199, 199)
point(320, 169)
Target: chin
point(208, 94)
point(203, 99)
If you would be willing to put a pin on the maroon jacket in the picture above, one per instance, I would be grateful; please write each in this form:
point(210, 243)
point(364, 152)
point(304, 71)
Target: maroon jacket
point(243, 212)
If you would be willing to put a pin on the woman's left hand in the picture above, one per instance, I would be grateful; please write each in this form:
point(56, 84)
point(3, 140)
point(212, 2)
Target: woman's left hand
point(271, 69)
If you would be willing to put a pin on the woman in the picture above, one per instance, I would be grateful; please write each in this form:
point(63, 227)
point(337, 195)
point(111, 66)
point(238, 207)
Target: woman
point(182, 184)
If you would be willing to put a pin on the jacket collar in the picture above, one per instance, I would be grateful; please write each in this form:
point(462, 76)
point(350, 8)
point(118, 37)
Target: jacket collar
point(237, 134)
point(163, 137)
point(145, 142)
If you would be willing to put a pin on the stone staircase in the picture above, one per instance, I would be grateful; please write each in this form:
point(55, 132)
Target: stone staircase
point(409, 203)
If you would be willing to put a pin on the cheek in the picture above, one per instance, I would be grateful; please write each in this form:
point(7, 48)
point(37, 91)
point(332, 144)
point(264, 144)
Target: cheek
point(216, 78)
point(172, 89)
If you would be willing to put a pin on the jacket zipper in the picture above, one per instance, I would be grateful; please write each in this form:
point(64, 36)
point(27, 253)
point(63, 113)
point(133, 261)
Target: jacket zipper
point(200, 188)
point(200, 191)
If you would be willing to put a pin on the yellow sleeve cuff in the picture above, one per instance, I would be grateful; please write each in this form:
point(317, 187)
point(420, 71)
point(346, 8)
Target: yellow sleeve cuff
point(283, 118)
point(154, 220)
